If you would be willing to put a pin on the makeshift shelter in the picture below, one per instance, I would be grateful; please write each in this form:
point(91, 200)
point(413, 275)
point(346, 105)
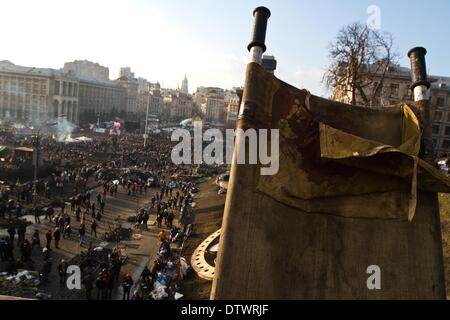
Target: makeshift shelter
point(23, 154)
point(84, 139)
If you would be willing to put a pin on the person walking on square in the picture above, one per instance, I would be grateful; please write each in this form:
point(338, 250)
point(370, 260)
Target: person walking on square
point(81, 232)
point(127, 284)
point(48, 237)
point(62, 270)
point(94, 228)
point(37, 219)
point(57, 236)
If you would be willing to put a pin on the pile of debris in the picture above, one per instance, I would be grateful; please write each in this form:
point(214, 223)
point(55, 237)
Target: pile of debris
point(118, 233)
point(164, 285)
point(92, 258)
point(23, 284)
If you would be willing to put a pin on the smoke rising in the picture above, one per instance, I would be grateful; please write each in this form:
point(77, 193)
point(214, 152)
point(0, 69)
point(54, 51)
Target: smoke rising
point(64, 129)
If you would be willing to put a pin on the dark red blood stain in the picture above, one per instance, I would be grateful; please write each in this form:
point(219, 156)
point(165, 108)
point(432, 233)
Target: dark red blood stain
point(307, 140)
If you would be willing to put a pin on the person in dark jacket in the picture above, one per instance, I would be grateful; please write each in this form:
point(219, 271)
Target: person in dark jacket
point(94, 228)
point(21, 231)
point(145, 218)
point(48, 237)
point(3, 244)
point(93, 210)
point(81, 232)
point(78, 214)
point(35, 239)
point(36, 212)
point(145, 275)
point(170, 217)
point(46, 270)
point(100, 285)
point(12, 233)
point(88, 285)
point(62, 271)
point(25, 249)
point(57, 236)
point(49, 213)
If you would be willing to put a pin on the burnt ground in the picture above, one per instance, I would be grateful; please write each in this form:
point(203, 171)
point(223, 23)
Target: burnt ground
point(208, 219)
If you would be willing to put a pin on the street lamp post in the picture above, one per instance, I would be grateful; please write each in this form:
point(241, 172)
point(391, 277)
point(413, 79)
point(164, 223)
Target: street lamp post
point(146, 125)
point(36, 144)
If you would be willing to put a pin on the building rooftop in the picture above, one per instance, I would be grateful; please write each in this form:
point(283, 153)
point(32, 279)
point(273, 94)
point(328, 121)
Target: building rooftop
point(8, 66)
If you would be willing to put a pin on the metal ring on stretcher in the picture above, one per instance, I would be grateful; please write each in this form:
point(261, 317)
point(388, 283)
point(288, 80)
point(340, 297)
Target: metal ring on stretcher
point(198, 262)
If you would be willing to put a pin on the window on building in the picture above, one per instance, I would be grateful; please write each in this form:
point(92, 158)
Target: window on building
point(22, 85)
point(394, 90)
point(447, 131)
point(28, 86)
point(446, 144)
point(35, 86)
point(436, 129)
point(440, 102)
point(6, 84)
point(437, 116)
point(57, 87)
point(13, 85)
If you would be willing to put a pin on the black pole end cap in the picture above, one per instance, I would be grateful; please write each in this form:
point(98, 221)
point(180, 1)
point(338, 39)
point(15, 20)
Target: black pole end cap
point(261, 15)
point(418, 67)
point(263, 10)
point(419, 49)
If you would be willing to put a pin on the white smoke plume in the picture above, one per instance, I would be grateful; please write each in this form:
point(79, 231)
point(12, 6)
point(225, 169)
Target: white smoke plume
point(64, 129)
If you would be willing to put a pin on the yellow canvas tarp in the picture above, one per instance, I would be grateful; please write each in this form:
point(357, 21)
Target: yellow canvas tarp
point(349, 178)
point(340, 159)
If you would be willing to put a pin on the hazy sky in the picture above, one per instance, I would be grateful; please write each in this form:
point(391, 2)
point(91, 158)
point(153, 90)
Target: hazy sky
point(206, 39)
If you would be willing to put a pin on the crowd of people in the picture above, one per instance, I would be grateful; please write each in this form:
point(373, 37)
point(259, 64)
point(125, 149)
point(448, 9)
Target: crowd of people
point(72, 212)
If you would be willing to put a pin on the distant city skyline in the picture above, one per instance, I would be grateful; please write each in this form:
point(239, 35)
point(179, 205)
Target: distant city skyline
point(163, 41)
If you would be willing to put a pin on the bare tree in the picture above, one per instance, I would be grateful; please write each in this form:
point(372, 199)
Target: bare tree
point(360, 58)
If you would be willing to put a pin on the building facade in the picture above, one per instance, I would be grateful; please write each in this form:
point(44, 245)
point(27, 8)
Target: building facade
point(396, 89)
point(232, 111)
point(100, 101)
point(131, 87)
point(179, 106)
point(440, 114)
point(213, 108)
point(37, 95)
point(100, 98)
point(126, 72)
point(155, 99)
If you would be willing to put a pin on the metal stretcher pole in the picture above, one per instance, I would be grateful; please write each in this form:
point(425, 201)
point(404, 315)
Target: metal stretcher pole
point(427, 203)
point(257, 45)
point(237, 214)
point(421, 86)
